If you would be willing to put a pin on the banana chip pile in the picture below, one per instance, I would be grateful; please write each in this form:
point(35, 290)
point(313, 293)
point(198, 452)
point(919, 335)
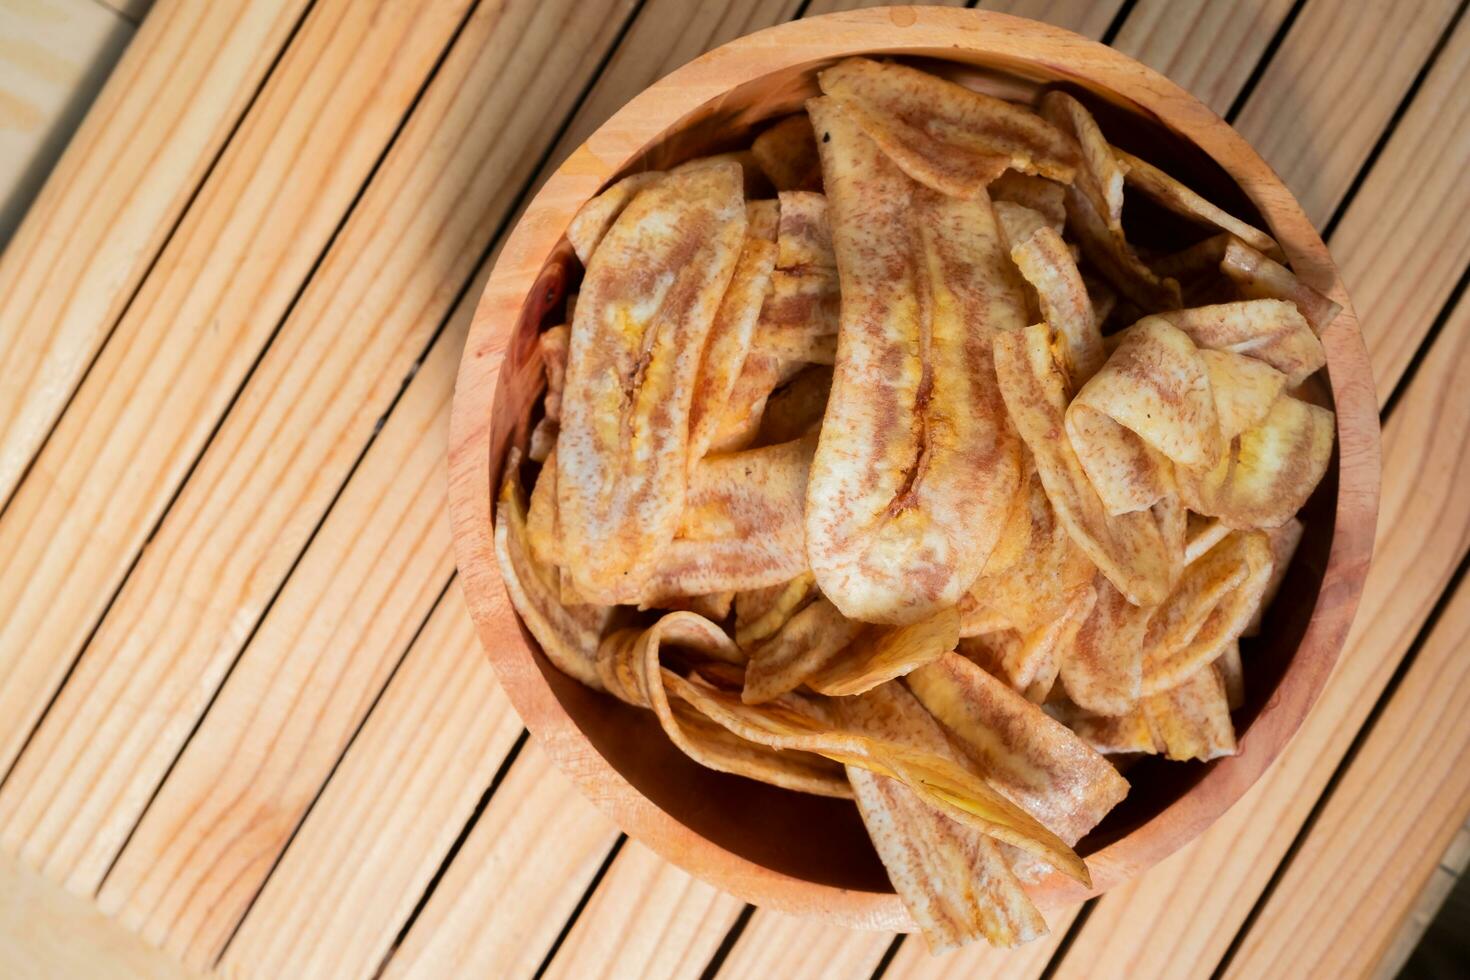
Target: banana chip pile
point(877, 463)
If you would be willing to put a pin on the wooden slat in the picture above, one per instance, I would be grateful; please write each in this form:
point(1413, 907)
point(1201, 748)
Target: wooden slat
point(1380, 836)
point(1331, 88)
point(818, 7)
point(107, 207)
point(914, 961)
point(1090, 18)
point(647, 919)
point(211, 303)
point(389, 815)
point(133, 10)
point(54, 56)
point(1403, 241)
point(1184, 913)
point(775, 944)
point(524, 866)
point(1427, 906)
point(1209, 48)
point(47, 932)
point(272, 471)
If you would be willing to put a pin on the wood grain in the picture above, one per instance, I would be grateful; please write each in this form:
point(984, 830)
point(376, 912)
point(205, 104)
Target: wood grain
point(47, 932)
point(1209, 48)
point(647, 919)
point(216, 295)
point(818, 7)
point(111, 201)
point(1090, 18)
point(1403, 241)
point(279, 459)
point(388, 816)
point(775, 944)
point(914, 961)
point(54, 56)
point(1332, 86)
point(1384, 828)
point(1184, 913)
point(133, 10)
point(523, 867)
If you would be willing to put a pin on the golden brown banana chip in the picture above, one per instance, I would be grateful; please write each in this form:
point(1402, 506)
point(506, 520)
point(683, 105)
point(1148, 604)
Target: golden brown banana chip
point(1173, 195)
point(796, 408)
point(1269, 330)
point(741, 527)
point(542, 533)
point(553, 344)
point(1102, 673)
point(879, 655)
point(787, 153)
point(800, 317)
point(1232, 674)
point(944, 135)
point(1065, 305)
point(1283, 540)
point(1258, 277)
point(594, 218)
point(1100, 177)
point(628, 663)
point(1043, 196)
point(1030, 662)
point(759, 613)
point(1268, 472)
point(804, 237)
point(916, 467)
point(1108, 734)
point(1027, 755)
point(647, 303)
point(804, 644)
point(568, 635)
point(947, 786)
point(955, 882)
point(1129, 549)
point(1192, 719)
point(1215, 599)
point(729, 342)
point(763, 219)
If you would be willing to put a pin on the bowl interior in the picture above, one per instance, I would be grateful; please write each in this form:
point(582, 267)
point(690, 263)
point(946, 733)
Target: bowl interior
point(822, 840)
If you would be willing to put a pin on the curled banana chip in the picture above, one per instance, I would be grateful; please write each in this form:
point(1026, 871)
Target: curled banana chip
point(879, 655)
point(1100, 178)
point(594, 218)
point(808, 641)
point(1258, 276)
point(803, 235)
point(916, 467)
point(650, 295)
point(1192, 719)
point(1283, 540)
point(759, 613)
point(1269, 330)
point(787, 154)
point(1048, 266)
point(944, 135)
point(1173, 195)
point(1045, 197)
point(1030, 757)
point(1103, 671)
point(956, 882)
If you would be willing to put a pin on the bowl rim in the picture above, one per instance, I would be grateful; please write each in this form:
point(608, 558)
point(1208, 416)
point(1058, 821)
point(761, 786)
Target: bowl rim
point(998, 40)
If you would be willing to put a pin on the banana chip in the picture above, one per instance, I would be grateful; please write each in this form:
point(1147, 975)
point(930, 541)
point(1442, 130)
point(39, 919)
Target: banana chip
point(542, 533)
point(803, 236)
point(1192, 719)
point(752, 179)
point(944, 135)
point(1244, 390)
point(569, 635)
point(647, 303)
point(796, 408)
point(1129, 549)
point(1027, 755)
point(594, 218)
point(1100, 178)
point(729, 342)
point(880, 655)
point(1232, 674)
point(808, 641)
point(1108, 734)
point(916, 467)
point(1270, 330)
point(955, 882)
point(1046, 197)
point(1283, 540)
point(740, 422)
point(787, 154)
point(1173, 195)
point(1018, 222)
point(1257, 276)
point(763, 219)
point(1103, 671)
point(1065, 305)
point(759, 613)
point(800, 317)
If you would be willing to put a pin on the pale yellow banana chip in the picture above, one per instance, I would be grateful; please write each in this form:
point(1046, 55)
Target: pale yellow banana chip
point(1021, 751)
point(741, 421)
point(729, 342)
point(1129, 549)
point(796, 408)
point(1103, 671)
point(787, 153)
point(805, 643)
point(595, 217)
point(1043, 196)
point(715, 606)
point(916, 467)
point(1100, 178)
point(880, 655)
point(759, 613)
point(1203, 534)
point(568, 635)
point(944, 135)
point(1268, 472)
point(1017, 222)
point(1284, 541)
point(1046, 263)
point(955, 882)
point(1192, 719)
point(1182, 201)
point(1269, 330)
point(1030, 662)
point(1257, 276)
point(804, 237)
point(650, 295)
point(1245, 389)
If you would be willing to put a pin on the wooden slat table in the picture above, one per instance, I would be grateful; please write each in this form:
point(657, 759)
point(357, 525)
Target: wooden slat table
point(244, 720)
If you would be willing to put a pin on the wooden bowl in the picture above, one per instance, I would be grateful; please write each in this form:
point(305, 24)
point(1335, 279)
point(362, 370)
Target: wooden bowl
point(806, 854)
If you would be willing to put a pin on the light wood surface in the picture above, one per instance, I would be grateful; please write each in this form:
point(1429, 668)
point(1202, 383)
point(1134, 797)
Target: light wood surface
point(335, 894)
point(775, 944)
